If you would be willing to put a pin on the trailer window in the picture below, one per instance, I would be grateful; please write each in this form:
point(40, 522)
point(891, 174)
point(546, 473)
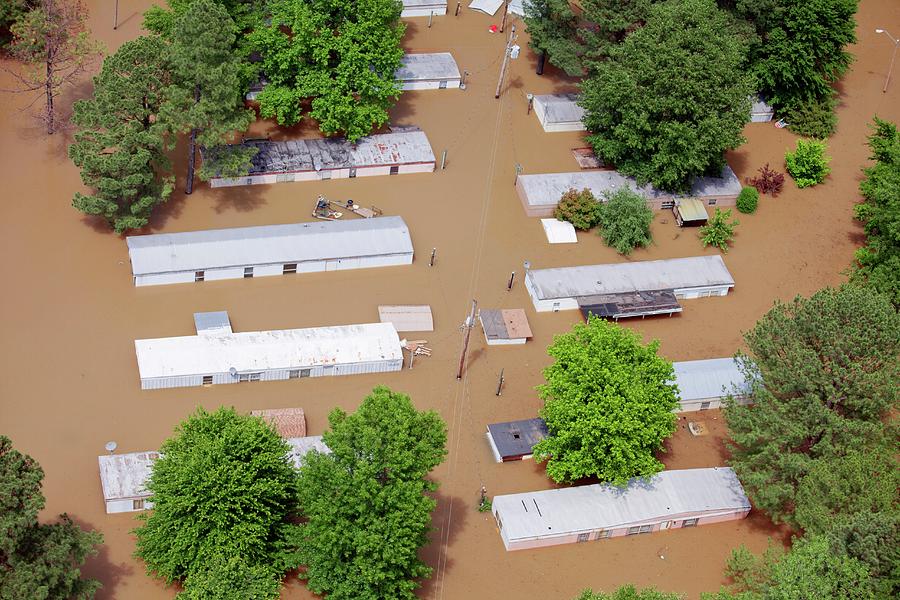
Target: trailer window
point(199, 275)
point(704, 405)
point(207, 379)
point(395, 169)
point(255, 376)
point(583, 537)
point(689, 522)
point(712, 201)
point(137, 504)
point(294, 374)
point(289, 268)
point(248, 272)
point(602, 534)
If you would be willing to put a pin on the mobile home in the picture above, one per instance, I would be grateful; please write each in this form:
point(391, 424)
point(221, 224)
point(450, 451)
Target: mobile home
point(123, 477)
point(558, 112)
point(428, 71)
point(704, 384)
point(515, 440)
point(423, 8)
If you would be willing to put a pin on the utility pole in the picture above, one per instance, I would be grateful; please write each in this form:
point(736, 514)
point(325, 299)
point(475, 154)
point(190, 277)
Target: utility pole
point(116, 19)
point(505, 14)
point(467, 326)
point(896, 43)
point(506, 56)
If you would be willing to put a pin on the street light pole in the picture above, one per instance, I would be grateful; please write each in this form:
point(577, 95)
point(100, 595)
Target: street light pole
point(896, 42)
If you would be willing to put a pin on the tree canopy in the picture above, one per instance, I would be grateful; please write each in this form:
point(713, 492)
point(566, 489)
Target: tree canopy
point(625, 221)
point(824, 370)
point(38, 560)
point(581, 209)
point(608, 402)
point(671, 98)
point(224, 494)
point(367, 503)
point(629, 592)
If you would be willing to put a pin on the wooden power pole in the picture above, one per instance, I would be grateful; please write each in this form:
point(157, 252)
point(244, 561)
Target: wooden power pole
point(506, 56)
point(467, 326)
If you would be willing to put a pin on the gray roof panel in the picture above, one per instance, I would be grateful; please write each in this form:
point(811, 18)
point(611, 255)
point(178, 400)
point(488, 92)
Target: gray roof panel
point(427, 67)
point(560, 108)
point(711, 378)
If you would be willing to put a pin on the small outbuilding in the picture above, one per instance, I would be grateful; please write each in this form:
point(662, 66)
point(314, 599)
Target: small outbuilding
point(301, 446)
point(395, 153)
point(227, 358)
point(559, 232)
point(490, 7)
point(423, 8)
point(407, 317)
point(569, 288)
point(668, 500)
point(540, 193)
point(287, 422)
point(123, 478)
point(505, 327)
point(760, 110)
point(247, 252)
point(559, 112)
point(428, 71)
point(704, 384)
point(690, 212)
point(515, 440)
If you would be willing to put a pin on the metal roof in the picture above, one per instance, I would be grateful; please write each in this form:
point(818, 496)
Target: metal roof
point(630, 304)
point(427, 67)
point(424, 3)
point(123, 475)
point(564, 511)
point(560, 108)
point(758, 106)
point(545, 189)
point(505, 324)
point(212, 323)
point(266, 350)
point(559, 232)
point(269, 244)
point(638, 276)
point(300, 446)
point(517, 438)
point(407, 318)
point(397, 148)
point(710, 378)
point(490, 6)
point(692, 209)
point(288, 422)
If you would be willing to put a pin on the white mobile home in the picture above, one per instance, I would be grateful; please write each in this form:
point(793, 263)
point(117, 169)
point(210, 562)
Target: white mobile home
point(431, 71)
point(122, 477)
point(559, 112)
point(394, 153)
point(247, 252)
point(669, 500)
point(423, 8)
point(540, 193)
point(704, 384)
point(571, 288)
point(225, 358)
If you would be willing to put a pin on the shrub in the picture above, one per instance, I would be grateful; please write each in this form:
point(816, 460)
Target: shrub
point(625, 221)
point(769, 181)
point(814, 118)
point(581, 209)
point(747, 200)
point(808, 164)
point(719, 231)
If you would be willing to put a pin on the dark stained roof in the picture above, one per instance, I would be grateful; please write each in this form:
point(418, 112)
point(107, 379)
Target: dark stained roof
point(517, 438)
point(632, 304)
point(506, 324)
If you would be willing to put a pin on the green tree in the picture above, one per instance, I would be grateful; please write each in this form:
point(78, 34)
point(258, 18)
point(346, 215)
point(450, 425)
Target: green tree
point(232, 578)
point(205, 97)
point(340, 55)
point(719, 230)
point(878, 262)
point(748, 200)
point(580, 209)
point(808, 164)
point(367, 504)
point(10, 12)
point(553, 30)
point(628, 592)
point(625, 221)
point(222, 489)
point(608, 23)
point(608, 402)
point(120, 143)
point(873, 539)
point(38, 560)
point(824, 371)
point(54, 49)
point(672, 98)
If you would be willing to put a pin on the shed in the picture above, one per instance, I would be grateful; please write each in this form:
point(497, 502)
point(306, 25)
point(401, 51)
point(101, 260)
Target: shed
point(514, 440)
point(690, 212)
point(559, 112)
point(287, 422)
point(246, 252)
point(123, 478)
point(301, 446)
point(540, 193)
point(212, 323)
point(428, 71)
point(559, 232)
point(423, 8)
point(668, 500)
point(704, 384)
point(332, 158)
point(760, 111)
point(197, 360)
point(490, 7)
point(504, 327)
point(562, 288)
point(407, 317)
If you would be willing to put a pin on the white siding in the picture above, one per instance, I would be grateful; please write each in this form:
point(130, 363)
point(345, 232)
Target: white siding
point(423, 12)
point(452, 84)
point(163, 278)
point(267, 270)
point(218, 274)
point(374, 171)
point(549, 305)
point(501, 342)
point(702, 292)
point(417, 168)
point(123, 506)
point(567, 126)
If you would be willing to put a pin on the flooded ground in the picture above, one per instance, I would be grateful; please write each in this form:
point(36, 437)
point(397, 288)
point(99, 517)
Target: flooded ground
point(70, 313)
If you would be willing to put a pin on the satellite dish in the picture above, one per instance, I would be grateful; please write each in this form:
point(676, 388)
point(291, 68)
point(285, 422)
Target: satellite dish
point(527, 265)
point(111, 447)
point(233, 372)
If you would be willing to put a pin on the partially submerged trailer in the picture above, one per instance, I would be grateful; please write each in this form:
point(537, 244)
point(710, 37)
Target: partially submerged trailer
point(246, 252)
point(226, 357)
point(559, 112)
point(515, 440)
point(123, 478)
point(704, 384)
point(650, 286)
point(760, 110)
point(668, 500)
point(301, 446)
point(399, 152)
point(428, 71)
point(423, 8)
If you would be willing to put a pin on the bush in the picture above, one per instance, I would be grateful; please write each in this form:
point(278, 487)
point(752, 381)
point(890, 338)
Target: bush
point(581, 209)
point(808, 164)
point(719, 231)
point(769, 181)
point(747, 200)
point(814, 118)
point(625, 221)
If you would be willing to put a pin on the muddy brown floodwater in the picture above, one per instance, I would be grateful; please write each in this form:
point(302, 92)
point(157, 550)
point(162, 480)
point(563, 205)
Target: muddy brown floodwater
point(69, 312)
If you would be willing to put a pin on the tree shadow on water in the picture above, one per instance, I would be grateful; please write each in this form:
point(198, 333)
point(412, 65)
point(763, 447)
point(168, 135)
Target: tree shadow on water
point(443, 535)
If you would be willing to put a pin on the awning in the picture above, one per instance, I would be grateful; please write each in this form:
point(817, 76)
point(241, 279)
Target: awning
point(692, 210)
